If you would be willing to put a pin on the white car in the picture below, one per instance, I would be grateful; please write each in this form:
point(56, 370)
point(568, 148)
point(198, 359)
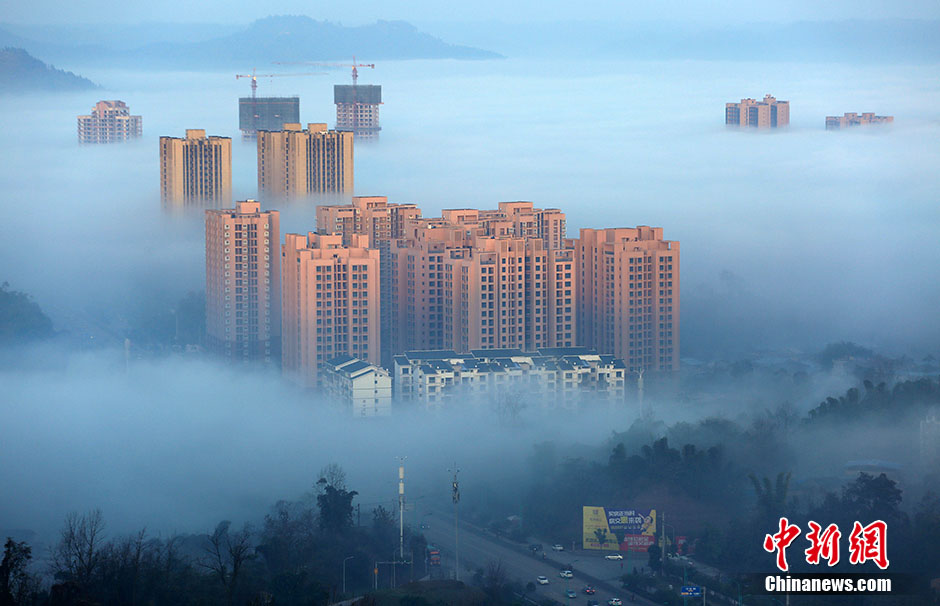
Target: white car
point(566, 574)
point(614, 602)
point(613, 556)
point(542, 580)
point(557, 547)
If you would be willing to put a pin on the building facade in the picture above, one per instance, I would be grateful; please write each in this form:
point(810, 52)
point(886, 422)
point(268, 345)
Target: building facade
point(330, 294)
point(243, 295)
point(362, 388)
point(295, 163)
point(853, 119)
point(109, 122)
point(382, 222)
point(266, 113)
point(628, 296)
point(510, 379)
point(502, 278)
point(357, 109)
point(769, 113)
point(196, 171)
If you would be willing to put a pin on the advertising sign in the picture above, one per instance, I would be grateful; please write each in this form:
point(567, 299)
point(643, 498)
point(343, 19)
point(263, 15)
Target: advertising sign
point(618, 528)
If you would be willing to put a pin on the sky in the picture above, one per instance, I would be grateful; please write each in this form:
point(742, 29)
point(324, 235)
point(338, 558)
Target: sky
point(428, 11)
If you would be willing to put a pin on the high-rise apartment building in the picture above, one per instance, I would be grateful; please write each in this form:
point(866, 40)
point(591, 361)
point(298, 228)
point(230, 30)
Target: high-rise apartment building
point(382, 222)
point(769, 113)
point(853, 119)
point(109, 122)
point(243, 271)
point(628, 296)
point(294, 163)
point(357, 109)
point(196, 171)
point(330, 302)
point(478, 279)
point(470, 279)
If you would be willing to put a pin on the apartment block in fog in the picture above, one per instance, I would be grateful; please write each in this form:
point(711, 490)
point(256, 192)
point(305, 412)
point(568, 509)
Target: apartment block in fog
point(628, 296)
point(769, 113)
point(561, 377)
point(468, 279)
point(360, 387)
point(330, 297)
point(293, 163)
point(109, 122)
point(476, 279)
point(853, 119)
point(196, 171)
point(382, 222)
point(243, 296)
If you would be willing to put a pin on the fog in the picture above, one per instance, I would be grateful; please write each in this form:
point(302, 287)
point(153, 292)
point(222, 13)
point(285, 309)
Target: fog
point(790, 240)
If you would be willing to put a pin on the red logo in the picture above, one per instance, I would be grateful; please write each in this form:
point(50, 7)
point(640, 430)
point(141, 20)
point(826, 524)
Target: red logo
point(869, 543)
point(866, 543)
point(825, 544)
point(780, 541)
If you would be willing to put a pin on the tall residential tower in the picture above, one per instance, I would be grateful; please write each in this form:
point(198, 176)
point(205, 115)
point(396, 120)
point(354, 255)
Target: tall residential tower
point(293, 163)
point(331, 302)
point(243, 294)
point(196, 171)
point(628, 296)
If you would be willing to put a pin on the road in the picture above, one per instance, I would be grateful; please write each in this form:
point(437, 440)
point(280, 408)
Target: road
point(478, 548)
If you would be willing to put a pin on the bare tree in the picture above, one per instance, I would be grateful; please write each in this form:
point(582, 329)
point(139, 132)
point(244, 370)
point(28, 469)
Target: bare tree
point(78, 553)
point(227, 554)
point(332, 475)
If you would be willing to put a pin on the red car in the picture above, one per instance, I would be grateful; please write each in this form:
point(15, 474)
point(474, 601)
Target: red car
point(589, 590)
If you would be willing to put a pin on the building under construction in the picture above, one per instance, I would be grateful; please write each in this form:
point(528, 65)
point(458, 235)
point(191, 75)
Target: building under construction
point(266, 113)
point(357, 109)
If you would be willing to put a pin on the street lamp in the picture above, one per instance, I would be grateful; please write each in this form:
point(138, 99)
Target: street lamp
point(344, 573)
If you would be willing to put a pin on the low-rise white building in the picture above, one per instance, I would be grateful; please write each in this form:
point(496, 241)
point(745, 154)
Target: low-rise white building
point(560, 377)
point(363, 388)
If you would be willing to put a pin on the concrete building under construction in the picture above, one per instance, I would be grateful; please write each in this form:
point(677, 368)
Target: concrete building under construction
point(266, 113)
point(357, 109)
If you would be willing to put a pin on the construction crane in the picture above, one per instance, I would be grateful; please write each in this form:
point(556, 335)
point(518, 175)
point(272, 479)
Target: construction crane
point(251, 128)
point(355, 80)
point(353, 65)
point(254, 78)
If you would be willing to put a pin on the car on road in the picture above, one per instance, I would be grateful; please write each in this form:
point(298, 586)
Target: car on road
point(592, 603)
point(542, 580)
point(566, 574)
point(589, 590)
point(557, 547)
point(571, 594)
point(613, 556)
point(535, 547)
point(614, 602)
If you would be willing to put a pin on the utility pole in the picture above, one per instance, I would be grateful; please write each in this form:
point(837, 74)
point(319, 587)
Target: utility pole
point(401, 507)
point(662, 543)
point(456, 496)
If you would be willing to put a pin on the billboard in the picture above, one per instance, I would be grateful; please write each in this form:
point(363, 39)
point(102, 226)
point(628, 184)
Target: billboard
point(618, 529)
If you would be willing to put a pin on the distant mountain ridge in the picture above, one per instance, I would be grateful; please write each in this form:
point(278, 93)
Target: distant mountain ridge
point(277, 38)
point(21, 72)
